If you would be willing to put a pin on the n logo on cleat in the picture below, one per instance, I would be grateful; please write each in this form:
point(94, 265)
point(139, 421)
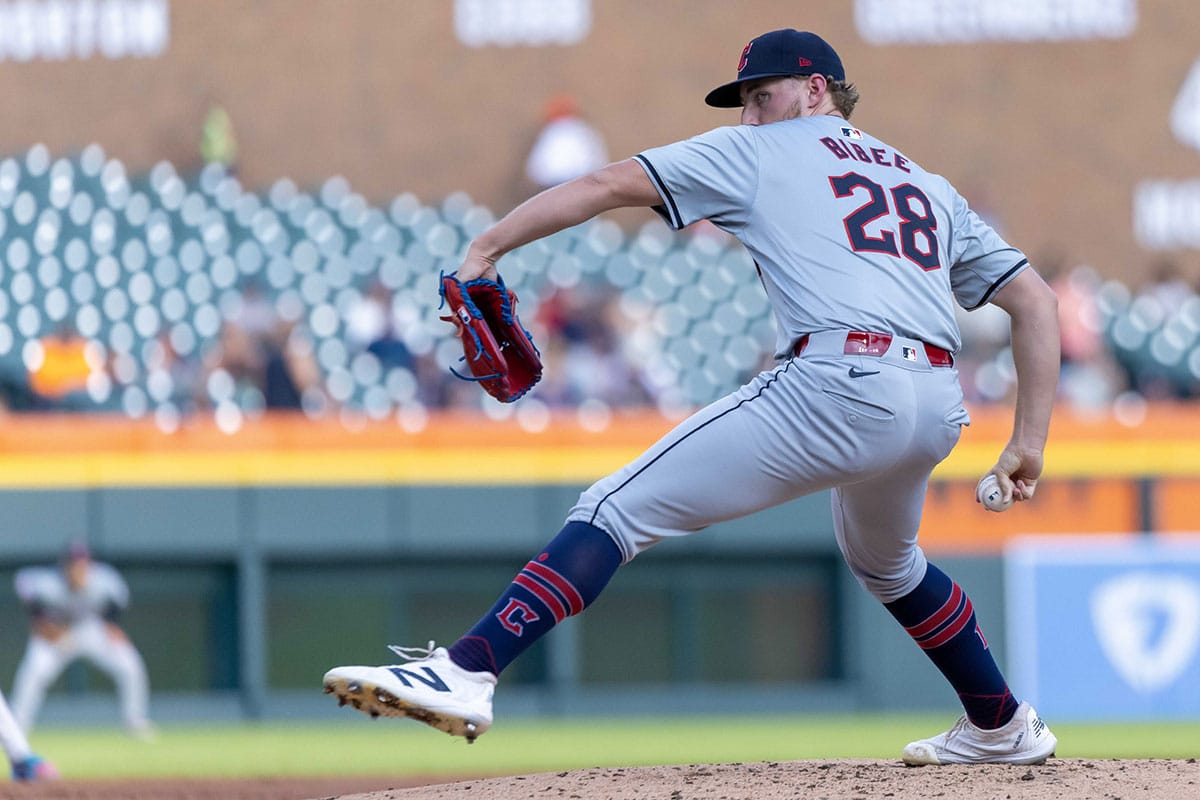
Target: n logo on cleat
point(433, 681)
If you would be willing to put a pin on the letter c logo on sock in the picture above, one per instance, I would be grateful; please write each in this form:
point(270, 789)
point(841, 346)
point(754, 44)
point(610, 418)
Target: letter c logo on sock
point(516, 615)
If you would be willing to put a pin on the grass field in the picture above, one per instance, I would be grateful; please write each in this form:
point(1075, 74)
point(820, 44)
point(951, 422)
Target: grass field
point(388, 747)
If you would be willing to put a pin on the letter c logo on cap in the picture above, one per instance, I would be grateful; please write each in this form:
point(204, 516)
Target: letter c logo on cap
point(745, 56)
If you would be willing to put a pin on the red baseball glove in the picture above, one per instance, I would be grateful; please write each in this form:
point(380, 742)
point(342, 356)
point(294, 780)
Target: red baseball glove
point(499, 352)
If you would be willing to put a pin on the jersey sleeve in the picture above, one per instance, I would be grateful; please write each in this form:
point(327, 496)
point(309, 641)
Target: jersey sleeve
point(30, 584)
point(35, 589)
point(981, 261)
point(112, 587)
point(712, 176)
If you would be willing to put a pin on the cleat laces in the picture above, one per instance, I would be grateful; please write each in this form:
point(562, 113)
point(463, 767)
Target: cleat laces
point(958, 728)
point(413, 653)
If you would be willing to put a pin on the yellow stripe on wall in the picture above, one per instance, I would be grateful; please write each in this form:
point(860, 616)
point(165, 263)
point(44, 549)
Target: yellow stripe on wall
point(431, 466)
point(416, 467)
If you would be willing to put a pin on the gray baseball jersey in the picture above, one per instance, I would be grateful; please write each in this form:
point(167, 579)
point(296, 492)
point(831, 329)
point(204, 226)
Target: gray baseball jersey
point(849, 236)
point(847, 232)
point(46, 589)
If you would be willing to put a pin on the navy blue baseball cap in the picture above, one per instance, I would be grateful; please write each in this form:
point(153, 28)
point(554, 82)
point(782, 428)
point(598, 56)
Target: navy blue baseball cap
point(76, 550)
point(778, 53)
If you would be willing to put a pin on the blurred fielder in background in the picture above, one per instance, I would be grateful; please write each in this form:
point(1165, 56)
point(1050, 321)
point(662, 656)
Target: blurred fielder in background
point(863, 255)
point(73, 611)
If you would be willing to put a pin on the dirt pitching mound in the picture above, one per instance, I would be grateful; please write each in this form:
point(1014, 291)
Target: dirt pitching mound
point(1058, 779)
point(1061, 779)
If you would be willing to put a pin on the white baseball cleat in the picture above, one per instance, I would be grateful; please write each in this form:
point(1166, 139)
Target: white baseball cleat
point(430, 688)
point(1024, 740)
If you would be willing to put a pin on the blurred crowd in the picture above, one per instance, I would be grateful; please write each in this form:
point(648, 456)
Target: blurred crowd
point(167, 296)
point(1121, 344)
point(170, 296)
point(603, 351)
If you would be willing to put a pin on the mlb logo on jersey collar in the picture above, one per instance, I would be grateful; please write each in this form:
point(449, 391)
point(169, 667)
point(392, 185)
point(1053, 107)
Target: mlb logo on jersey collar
point(909, 353)
point(851, 133)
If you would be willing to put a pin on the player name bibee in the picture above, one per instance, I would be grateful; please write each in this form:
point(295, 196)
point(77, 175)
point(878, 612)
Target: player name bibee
point(868, 155)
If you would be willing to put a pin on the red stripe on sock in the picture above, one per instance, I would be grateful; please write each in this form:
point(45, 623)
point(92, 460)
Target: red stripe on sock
point(999, 699)
point(564, 586)
point(938, 617)
point(542, 593)
point(951, 630)
point(954, 618)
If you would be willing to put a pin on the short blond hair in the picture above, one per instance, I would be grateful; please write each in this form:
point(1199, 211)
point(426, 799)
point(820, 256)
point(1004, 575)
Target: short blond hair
point(844, 96)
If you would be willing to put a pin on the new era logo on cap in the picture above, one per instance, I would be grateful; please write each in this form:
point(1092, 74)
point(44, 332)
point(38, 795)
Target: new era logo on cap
point(775, 54)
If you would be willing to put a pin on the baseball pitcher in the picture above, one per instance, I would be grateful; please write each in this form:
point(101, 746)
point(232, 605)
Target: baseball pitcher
point(862, 254)
point(74, 608)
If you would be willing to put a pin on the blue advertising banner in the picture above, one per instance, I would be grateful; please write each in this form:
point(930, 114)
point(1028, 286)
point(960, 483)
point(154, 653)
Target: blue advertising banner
point(1105, 627)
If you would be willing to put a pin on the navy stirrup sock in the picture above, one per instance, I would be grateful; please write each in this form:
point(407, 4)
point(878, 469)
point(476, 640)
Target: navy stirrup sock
point(938, 615)
point(558, 583)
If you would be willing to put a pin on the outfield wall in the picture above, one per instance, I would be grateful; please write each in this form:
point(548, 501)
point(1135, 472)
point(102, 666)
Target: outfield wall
point(259, 560)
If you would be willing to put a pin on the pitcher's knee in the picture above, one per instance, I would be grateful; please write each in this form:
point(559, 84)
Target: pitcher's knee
point(893, 583)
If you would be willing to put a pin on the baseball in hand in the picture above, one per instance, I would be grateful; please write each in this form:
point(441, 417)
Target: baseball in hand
point(988, 492)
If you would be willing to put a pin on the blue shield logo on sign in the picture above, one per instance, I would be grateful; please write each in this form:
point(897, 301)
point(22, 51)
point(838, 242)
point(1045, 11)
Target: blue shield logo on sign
point(1112, 617)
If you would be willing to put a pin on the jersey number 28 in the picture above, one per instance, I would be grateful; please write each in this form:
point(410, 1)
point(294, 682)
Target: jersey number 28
point(918, 240)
